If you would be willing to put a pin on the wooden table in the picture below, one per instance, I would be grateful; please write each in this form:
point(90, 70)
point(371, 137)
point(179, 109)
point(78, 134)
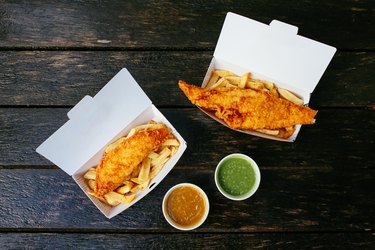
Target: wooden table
point(317, 192)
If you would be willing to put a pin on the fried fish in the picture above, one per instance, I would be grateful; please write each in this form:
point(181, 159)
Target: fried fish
point(118, 163)
point(249, 109)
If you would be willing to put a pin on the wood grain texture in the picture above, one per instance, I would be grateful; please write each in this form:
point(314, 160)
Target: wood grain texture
point(315, 193)
point(187, 241)
point(159, 24)
point(289, 199)
point(338, 139)
point(64, 77)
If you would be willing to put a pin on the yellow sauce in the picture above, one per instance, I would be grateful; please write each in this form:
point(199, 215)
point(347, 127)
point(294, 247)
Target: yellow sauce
point(185, 206)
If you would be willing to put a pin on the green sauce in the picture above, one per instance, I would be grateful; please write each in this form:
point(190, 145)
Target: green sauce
point(236, 176)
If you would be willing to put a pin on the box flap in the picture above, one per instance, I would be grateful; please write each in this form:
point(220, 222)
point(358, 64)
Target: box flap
point(273, 50)
point(93, 122)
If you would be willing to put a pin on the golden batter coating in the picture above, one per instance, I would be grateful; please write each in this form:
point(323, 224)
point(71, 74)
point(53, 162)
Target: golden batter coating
point(118, 164)
point(249, 109)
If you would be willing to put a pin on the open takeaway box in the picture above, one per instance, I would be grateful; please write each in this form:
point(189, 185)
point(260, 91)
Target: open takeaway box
point(273, 53)
point(98, 121)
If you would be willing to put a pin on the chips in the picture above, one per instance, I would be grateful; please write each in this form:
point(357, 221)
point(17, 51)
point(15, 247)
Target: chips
point(224, 78)
point(141, 176)
point(290, 97)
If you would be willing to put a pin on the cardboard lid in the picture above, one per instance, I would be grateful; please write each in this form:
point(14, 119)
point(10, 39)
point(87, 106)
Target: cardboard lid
point(273, 50)
point(93, 122)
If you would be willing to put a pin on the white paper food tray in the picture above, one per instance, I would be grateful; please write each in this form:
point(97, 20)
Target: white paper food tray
point(96, 122)
point(272, 53)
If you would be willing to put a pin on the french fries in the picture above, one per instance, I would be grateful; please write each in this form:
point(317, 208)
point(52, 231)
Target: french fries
point(289, 96)
point(269, 131)
point(141, 176)
point(225, 78)
point(90, 175)
point(145, 170)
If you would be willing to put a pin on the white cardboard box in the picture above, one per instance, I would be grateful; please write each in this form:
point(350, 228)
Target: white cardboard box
point(97, 121)
point(273, 53)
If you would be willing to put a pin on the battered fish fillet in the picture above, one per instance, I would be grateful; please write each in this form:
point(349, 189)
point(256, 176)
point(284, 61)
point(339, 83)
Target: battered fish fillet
point(118, 164)
point(247, 108)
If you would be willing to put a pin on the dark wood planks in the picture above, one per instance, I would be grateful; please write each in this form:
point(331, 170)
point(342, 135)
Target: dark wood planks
point(197, 241)
point(315, 193)
point(64, 77)
point(289, 199)
point(159, 24)
point(341, 138)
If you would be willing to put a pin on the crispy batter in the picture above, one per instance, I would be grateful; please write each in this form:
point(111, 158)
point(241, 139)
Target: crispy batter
point(249, 109)
point(118, 164)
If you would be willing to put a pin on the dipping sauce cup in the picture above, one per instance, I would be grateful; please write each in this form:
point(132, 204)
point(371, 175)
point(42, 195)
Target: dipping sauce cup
point(185, 206)
point(237, 176)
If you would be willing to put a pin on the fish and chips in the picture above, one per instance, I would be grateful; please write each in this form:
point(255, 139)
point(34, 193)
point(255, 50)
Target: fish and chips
point(130, 163)
point(250, 104)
